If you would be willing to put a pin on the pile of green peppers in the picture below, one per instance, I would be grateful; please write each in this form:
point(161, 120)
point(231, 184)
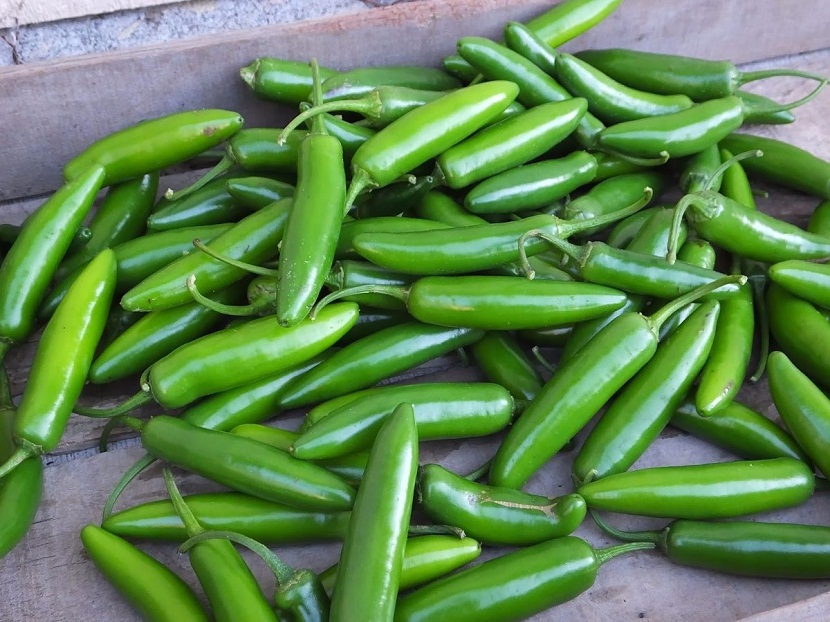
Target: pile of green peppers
point(406, 213)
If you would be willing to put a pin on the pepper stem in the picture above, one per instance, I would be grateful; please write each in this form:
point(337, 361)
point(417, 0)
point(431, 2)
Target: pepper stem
point(660, 160)
point(568, 228)
point(134, 471)
point(317, 125)
point(689, 200)
point(480, 472)
point(104, 440)
point(5, 390)
point(191, 524)
point(401, 293)
point(222, 167)
point(370, 106)
point(220, 307)
point(625, 536)
point(20, 454)
point(441, 530)
point(537, 354)
point(799, 102)
point(248, 74)
point(659, 317)
point(758, 282)
point(242, 265)
point(754, 153)
point(139, 399)
point(577, 253)
point(763, 74)
point(360, 181)
point(282, 571)
point(603, 555)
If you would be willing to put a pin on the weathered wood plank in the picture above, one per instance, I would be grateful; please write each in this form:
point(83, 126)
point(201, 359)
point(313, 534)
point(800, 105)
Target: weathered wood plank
point(56, 108)
point(17, 13)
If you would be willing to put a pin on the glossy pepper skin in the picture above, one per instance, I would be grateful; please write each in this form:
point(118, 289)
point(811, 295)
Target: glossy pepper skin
point(492, 515)
point(804, 408)
point(157, 593)
point(805, 279)
point(511, 587)
point(749, 548)
point(265, 521)
point(504, 362)
point(281, 80)
point(246, 465)
point(645, 405)
point(209, 205)
point(569, 19)
point(63, 357)
point(155, 144)
point(721, 490)
point(442, 410)
point(30, 264)
point(739, 429)
point(375, 357)
point(20, 490)
point(308, 243)
point(372, 555)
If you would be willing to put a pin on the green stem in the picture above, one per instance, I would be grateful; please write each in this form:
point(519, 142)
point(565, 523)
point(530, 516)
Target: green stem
point(140, 465)
point(317, 125)
point(248, 74)
point(360, 181)
point(139, 399)
point(242, 265)
point(401, 293)
point(191, 525)
point(282, 571)
point(689, 200)
point(21, 454)
point(105, 434)
point(222, 167)
point(754, 153)
point(799, 102)
point(659, 317)
point(480, 472)
point(660, 160)
point(5, 390)
point(220, 307)
point(577, 253)
point(369, 106)
point(762, 74)
point(568, 228)
point(542, 360)
point(625, 536)
point(603, 555)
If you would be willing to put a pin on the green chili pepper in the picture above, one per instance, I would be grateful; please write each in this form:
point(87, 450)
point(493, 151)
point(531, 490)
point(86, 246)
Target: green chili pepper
point(258, 192)
point(497, 62)
point(807, 280)
point(750, 548)
point(739, 429)
point(372, 556)
point(30, 264)
point(139, 258)
point(380, 224)
point(613, 194)
point(155, 591)
point(697, 252)
point(703, 491)
point(637, 273)
point(570, 19)
point(460, 68)
point(280, 79)
point(523, 40)
point(625, 230)
point(668, 74)
point(234, 357)
point(155, 144)
point(357, 82)
point(394, 199)
point(458, 250)
point(266, 521)
point(62, 360)
point(253, 239)
point(154, 336)
point(313, 226)
point(531, 186)
point(375, 357)
point(230, 586)
point(514, 586)
point(426, 132)
point(514, 141)
point(425, 559)
point(609, 100)
point(653, 237)
point(244, 465)
point(372, 321)
point(820, 219)
point(807, 345)
point(579, 388)
point(783, 163)
point(249, 403)
point(503, 362)
point(643, 408)
point(20, 490)
point(443, 410)
point(702, 171)
point(803, 407)
point(501, 516)
point(209, 205)
point(757, 110)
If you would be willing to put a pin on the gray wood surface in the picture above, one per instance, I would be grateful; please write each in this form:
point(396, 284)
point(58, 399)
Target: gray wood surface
point(49, 577)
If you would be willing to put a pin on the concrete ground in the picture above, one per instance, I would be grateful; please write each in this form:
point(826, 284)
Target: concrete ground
point(124, 29)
